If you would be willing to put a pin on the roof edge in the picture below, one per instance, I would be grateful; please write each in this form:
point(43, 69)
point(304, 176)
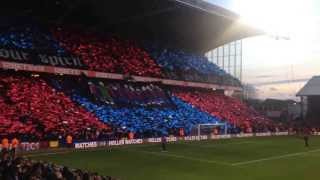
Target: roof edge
point(209, 8)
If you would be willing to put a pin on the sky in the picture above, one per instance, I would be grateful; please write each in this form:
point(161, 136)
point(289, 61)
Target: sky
point(269, 59)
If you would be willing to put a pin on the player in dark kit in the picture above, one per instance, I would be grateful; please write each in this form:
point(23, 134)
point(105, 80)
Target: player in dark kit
point(306, 134)
point(163, 143)
point(306, 141)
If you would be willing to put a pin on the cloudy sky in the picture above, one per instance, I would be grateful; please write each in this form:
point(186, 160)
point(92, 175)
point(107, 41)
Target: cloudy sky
point(267, 59)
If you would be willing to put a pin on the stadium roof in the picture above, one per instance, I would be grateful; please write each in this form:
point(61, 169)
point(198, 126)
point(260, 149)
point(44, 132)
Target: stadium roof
point(312, 88)
point(193, 25)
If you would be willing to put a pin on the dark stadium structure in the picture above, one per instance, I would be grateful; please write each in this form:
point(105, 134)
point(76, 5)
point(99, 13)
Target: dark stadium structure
point(192, 25)
point(310, 96)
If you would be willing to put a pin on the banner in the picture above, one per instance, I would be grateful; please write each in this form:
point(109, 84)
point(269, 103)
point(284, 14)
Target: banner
point(44, 144)
point(282, 133)
point(134, 141)
point(124, 142)
point(195, 138)
point(102, 143)
point(26, 146)
point(316, 133)
point(226, 136)
point(154, 140)
point(263, 134)
point(85, 145)
point(244, 135)
point(171, 139)
point(47, 68)
point(40, 58)
point(116, 143)
point(29, 146)
point(53, 144)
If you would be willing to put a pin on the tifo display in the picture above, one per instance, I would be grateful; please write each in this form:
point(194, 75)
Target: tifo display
point(49, 106)
point(147, 89)
point(77, 48)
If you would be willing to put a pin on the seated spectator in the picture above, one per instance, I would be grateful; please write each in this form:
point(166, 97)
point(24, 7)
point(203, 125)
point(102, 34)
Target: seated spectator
point(22, 168)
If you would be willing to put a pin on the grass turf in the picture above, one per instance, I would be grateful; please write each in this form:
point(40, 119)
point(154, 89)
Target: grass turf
point(271, 158)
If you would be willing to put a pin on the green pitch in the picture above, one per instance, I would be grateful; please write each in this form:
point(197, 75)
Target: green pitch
point(272, 158)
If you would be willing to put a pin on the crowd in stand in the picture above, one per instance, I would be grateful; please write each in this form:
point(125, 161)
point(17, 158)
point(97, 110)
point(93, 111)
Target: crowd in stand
point(128, 94)
point(28, 105)
point(189, 67)
point(108, 53)
point(48, 108)
point(119, 93)
point(158, 114)
point(35, 108)
point(149, 121)
point(138, 95)
point(226, 108)
point(23, 169)
point(146, 119)
point(28, 35)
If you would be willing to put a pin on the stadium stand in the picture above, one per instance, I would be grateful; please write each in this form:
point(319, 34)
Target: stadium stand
point(144, 119)
point(146, 109)
point(181, 65)
point(150, 122)
point(29, 107)
point(107, 53)
point(119, 93)
point(27, 35)
point(142, 108)
point(226, 108)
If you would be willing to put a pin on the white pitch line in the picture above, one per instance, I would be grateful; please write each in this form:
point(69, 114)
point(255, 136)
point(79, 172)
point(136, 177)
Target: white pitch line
point(212, 145)
point(80, 150)
point(47, 154)
point(166, 154)
point(274, 158)
point(226, 144)
point(148, 152)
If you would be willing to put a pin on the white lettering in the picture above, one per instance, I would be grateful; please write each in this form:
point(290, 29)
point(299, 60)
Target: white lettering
point(86, 145)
